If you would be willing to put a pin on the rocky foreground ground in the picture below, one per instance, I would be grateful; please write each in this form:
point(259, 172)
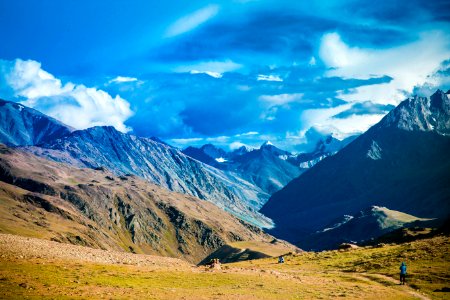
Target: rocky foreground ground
point(34, 268)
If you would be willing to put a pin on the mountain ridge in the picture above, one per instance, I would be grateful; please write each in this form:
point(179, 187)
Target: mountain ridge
point(22, 125)
point(95, 208)
point(164, 165)
point(268, 167)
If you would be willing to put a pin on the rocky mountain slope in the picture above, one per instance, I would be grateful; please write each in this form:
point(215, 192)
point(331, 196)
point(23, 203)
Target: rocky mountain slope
point(266, 167)
point(105, 147)
point(20, 125)
point(95, 208)
point(401, 163)
point(150, 158)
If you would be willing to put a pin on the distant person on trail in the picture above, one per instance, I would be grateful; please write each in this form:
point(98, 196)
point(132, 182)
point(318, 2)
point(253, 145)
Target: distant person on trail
point(281, 259)
point(403, 273)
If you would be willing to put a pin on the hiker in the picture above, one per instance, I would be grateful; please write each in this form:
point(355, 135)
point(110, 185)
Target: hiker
point(403, 273)
point(281, 259)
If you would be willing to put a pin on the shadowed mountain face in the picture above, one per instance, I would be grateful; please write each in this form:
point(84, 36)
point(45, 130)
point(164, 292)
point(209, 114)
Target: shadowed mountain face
point(401, 163)
point(55, 201)
point(158, 163)
point(20, 125)
point(366, 225)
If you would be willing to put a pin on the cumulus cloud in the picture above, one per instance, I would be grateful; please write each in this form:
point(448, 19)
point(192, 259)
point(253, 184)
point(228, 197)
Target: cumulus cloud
point(75, 105)
point(408, 65)
point(192, 21)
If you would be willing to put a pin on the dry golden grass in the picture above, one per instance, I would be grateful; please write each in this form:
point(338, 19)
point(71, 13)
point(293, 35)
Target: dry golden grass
point(368, 273)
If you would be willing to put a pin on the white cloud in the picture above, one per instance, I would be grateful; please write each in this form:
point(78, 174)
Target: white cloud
point(408, 65)
point(336, 54)
point(237, 145)
point(75, 105)
point(210, 73)
point(192, 21)
point(323, 120)
point(212, 68)
point(120, 79)
point(269, 78)
point(218, 139)
point(312, 61)
point(247, 133)
point(187, 141)
point(281, 99)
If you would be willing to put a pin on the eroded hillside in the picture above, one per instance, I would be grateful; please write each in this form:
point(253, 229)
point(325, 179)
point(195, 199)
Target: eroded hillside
point(94, 208)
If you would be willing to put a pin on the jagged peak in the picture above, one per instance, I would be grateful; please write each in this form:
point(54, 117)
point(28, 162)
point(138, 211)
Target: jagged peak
point(420, 114)
point(267, 144)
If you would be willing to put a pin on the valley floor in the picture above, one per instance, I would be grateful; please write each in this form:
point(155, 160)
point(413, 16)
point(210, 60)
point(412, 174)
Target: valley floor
point(35, 268)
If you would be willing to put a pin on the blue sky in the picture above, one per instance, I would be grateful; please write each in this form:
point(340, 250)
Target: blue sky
point(225, 72)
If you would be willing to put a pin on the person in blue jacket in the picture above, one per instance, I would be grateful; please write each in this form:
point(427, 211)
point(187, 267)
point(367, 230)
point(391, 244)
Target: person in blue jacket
point(403, 273)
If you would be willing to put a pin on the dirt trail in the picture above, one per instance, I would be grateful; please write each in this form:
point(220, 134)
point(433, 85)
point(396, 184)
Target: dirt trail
point(389, 281)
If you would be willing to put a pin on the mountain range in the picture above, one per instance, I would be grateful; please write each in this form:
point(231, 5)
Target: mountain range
point(105, 147)
point(267, 167)
point(96, 208)
point(149, 158)
point(401, 163)
point(394, 175)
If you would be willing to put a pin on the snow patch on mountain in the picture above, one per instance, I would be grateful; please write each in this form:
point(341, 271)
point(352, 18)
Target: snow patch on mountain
point(221, 160)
